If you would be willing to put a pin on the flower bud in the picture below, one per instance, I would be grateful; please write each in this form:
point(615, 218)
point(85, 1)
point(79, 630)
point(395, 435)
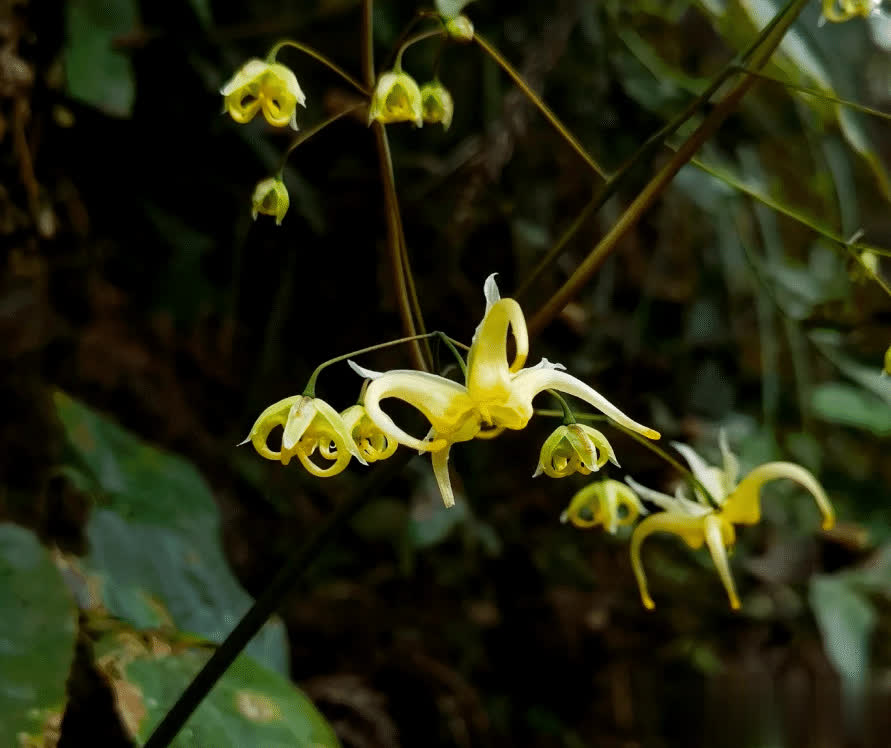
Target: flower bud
point(576, 448)
point(437, 104)
point(459, 28)
point(270, 198)
point(606, 502)
point(396, 98)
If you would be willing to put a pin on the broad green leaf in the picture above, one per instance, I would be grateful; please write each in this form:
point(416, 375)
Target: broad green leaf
point(829, 343)
point(38, 626)
point(155, 536)
point(846, 619)
point(96, 72)
point(451, 8)
point(249, 706)
point(845, 404)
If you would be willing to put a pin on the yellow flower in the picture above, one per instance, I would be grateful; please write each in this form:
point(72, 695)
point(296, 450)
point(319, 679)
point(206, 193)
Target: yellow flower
point(270, 198)
point(373, 444)
point(258, 85)
point(887, 370)
point(601, 503)
point(460, 28)
point(845, 10)
point(437, 104)
point(497, 393)
point(396, 98)
point(309, 424)
point(576, 448)
point(697, 522)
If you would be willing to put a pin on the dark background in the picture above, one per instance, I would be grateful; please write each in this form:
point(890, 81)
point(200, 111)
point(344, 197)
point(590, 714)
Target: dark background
point(135, 280)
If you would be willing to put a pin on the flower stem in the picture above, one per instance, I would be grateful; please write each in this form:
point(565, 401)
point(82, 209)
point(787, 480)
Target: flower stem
point(307, 134)
point(536, 99)
point(568, 416)
point(663, 178)
point(269, 601)
point(397, 63)
point(310, 389)
point(331, 65)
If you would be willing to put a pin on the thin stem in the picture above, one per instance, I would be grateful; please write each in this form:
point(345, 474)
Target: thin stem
point(450, 344)
point(646, 442)
point(397, 63)
point(817, 94)
point(535, 99)
point(330, 64)
point(658, 183)
point(421, 15)
point(394, 244)
point(310, 389)
point(368, 43)
point(307, 134)
point(269, 601)
point(568, 416)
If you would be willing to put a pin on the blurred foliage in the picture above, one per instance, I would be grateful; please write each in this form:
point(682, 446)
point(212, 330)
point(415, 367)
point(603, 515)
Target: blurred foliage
point(136, 282)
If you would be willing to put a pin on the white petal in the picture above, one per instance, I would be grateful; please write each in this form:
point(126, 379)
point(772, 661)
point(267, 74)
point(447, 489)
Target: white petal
point(491, 292)
point(704, 473)
point(545, 364)
point(440, 462)
point(363, 372)
point(731, 463)
point(668, 503)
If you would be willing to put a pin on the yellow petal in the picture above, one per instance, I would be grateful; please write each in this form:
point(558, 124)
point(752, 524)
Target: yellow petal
point(275, 415)
point(719, 534)
point(744, 504)
point(341, 434)
point(529, 382)
point(440, 462)
point(302, 413)
point(690, 529)
point(444, 403)
point(488, 370)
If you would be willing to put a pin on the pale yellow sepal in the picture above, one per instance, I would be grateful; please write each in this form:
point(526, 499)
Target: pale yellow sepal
point(437, 105)
point(887, 369)
point(606, 502)
point(372, 443)
point(270, 198)
point(396, 98)
point(270, 87)
point(309, 424)
point(574, 448)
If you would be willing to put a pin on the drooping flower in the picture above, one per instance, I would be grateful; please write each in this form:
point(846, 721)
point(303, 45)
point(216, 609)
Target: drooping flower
point(437, 104)
point(309, 424)
point(459, 28)
point(497, 392)
point(574, 448)
point(396, 98)
point(270, 198)
point(270, 87)
point(602, 503)
point(698, 522)
point(839, 11)
point(372, 443)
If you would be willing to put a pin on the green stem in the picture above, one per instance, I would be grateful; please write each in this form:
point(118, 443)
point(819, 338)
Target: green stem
point(394, 244)
point(647, 443)
point(367, 36)
point(663, 178)
point(421, 15)
point(397, 63)
point(321, 58)
point(307, 134)
point(817, 94)
point(450, 344)
point(310, 389)
point(269, 601)
point(535, 99)
point(568, 416)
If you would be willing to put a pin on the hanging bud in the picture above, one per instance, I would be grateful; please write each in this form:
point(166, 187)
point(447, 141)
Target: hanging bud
point(270, 198)
point(396, 98)
point(459, 28)
point(437, 104)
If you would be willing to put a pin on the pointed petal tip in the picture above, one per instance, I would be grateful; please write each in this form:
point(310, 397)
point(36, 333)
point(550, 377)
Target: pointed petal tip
point(652, 434)
point(564, 516)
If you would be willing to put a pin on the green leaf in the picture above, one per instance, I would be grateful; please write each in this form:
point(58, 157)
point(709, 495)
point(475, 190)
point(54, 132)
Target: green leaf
point(846, 619)
point(96, 72)
point(451, 8)
point(845, 404)
point(249, 706)
point(155, 540)
point(38, 626)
